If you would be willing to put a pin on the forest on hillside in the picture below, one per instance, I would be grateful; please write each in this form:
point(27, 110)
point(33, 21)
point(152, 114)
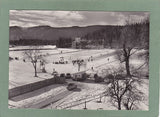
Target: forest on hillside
point(106, 37)
point(111, 37)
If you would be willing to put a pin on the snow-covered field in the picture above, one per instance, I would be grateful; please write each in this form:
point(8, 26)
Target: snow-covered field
point(104, 61)
point(21, 73)
point(88, 91)
point(91, 92)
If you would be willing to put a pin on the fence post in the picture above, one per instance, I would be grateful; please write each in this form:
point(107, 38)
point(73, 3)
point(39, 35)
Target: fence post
point(85, 105)
point(100, 100)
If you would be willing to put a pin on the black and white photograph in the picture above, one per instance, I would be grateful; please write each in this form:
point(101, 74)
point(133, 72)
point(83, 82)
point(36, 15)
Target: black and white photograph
point(78, 60)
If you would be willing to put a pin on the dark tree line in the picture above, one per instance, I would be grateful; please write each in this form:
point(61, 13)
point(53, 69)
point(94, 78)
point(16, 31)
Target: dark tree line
point(25, 42)
point(63, 42)
point(111, 36)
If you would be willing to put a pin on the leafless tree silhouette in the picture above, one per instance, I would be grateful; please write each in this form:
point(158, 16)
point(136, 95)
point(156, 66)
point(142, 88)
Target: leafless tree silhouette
point(33, 54)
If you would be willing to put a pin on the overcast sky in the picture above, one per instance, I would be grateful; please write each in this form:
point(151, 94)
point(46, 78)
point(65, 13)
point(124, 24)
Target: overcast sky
point(29, 18)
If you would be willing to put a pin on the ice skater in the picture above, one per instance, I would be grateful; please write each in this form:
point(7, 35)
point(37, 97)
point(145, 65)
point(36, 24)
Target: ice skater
point(108, 59)
point(92, 69)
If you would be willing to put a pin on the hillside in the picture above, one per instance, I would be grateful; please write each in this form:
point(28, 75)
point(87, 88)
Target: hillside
point(92, 36)
point(51, 33)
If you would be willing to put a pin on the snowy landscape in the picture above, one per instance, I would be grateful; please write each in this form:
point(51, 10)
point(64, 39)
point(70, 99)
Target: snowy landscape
point(86, 73)
point(90, 91)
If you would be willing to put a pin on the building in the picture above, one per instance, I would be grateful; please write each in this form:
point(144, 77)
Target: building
point(76, 43)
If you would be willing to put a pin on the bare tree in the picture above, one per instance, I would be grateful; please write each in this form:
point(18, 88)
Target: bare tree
point(134, 36)
point(80, 63)
point(132, 98)
point(125, 54)
point(33, 54)
point(128, 43)
point(123, 92)
point(122, 89)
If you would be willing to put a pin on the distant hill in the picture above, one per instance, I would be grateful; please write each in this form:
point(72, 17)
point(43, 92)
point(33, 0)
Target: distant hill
point(92, 36)
point(51, 33)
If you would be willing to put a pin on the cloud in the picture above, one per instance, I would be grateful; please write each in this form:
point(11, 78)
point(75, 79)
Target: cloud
point(68, 15)
point(28, 18)
point(43, 17)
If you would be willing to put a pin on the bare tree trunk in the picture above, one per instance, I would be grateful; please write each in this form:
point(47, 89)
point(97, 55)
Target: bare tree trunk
point(127, 66)
point(126, 105)
point(79, 67)
point(119, 104)
point(35, 70)
point(127, 108)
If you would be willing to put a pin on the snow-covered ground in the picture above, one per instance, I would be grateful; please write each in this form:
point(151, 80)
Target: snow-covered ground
point(104, 61)
point(88, 91)
point(91, 92)
point(36, 96)
point(21, 73)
